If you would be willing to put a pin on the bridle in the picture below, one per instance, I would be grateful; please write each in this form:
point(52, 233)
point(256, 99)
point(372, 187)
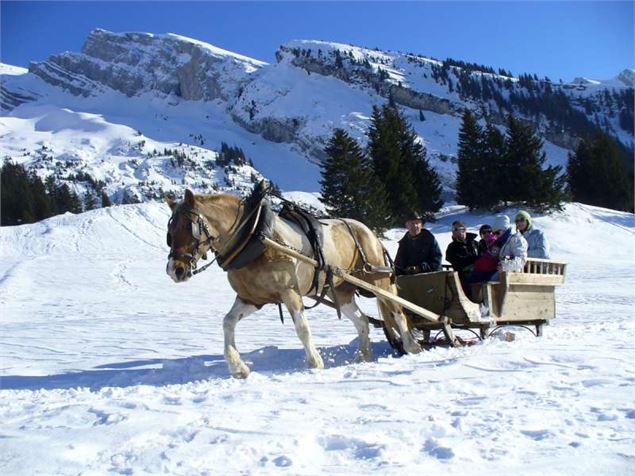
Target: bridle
point(202, 236)
point(200, 233)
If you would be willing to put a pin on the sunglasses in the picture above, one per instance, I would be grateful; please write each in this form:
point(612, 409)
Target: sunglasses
point(458, 229)
point(487, 232)
point(520, 220)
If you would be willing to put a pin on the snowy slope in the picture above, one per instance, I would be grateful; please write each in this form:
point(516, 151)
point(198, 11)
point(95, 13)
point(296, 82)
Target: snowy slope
point(109, 367)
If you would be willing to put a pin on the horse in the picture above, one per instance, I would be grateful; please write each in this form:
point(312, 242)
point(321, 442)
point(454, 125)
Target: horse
point(203, 223)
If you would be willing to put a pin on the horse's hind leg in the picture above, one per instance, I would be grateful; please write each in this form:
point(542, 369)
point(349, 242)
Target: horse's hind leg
point(391, 312)
point(240, 309)
point(293, 301)
point(349, 308)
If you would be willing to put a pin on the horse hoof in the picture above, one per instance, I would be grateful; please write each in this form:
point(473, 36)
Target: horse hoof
point(413, 348)
point(242, 372)
point(360, 358)
point(316, 362)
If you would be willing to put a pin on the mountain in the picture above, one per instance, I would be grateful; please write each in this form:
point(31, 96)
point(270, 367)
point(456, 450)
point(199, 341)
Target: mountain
point(104, 112)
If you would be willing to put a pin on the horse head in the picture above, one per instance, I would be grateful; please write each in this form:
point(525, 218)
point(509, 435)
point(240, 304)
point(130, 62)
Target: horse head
point(189, 236)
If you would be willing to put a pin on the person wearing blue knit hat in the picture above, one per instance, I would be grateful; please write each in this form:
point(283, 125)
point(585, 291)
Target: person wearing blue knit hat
point(538, 246)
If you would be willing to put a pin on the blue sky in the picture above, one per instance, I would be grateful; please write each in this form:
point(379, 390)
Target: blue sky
point(555, 39)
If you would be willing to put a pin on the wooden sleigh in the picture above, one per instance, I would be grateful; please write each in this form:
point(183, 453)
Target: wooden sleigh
point(436, 301)
point(524, 299)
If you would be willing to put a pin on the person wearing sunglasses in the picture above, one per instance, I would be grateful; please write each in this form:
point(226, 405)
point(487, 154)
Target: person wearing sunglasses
point(538, 246)
point(512, 245)
point(487, 262)
point(418, 250)
point(462, 252)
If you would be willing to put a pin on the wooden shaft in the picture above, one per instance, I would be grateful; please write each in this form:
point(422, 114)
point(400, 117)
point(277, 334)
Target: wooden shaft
point(358, 282)
point(289, 251)
point(385, 294)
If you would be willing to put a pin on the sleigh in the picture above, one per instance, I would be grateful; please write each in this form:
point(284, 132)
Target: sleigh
point(525, 299)
point(436, 301)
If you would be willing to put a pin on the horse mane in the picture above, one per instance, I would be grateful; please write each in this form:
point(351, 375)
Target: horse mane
point(206, 199)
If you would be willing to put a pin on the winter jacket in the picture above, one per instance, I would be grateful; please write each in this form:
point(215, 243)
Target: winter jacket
point(512, 245)
point(422, 251)
point(462, 254)
point(486, 261)
point(537, 243)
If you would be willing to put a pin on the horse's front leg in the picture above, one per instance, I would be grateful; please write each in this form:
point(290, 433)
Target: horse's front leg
point(293, 301)
point(240, 309)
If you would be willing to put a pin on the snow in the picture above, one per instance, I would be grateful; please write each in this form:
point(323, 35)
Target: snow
point(218, 52)
point(107, 366)
point(12, 70)
point(105, 134)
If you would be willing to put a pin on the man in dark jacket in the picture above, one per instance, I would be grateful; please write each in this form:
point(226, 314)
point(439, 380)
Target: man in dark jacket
point(418, 250)
point(462, 253)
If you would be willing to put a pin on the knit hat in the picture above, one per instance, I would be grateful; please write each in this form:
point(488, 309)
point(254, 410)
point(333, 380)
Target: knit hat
point(525, 215)
point(500, 222)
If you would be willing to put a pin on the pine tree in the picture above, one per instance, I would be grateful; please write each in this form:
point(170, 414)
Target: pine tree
point(17, 200)
point(105, 201)
point(24, 197)
point(399, 160)
point(350, 188)
point(523, 162)
point(470, 176)
point(89, 200)
point(42, 202)
point(67, 200)
point(427, 182)
point(491, 166)
point(597, 175)
point(522, 177)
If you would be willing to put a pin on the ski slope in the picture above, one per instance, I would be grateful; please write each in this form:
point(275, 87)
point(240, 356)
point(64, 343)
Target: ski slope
point(108, 367)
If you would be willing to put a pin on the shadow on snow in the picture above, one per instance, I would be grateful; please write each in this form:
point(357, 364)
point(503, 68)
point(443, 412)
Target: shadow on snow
point(160, 372)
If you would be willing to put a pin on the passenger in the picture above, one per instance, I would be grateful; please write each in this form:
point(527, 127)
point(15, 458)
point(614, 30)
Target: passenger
point(486, 264)
point(538, 246)
point(418, 250)
point(461, 253)
point(512, 246)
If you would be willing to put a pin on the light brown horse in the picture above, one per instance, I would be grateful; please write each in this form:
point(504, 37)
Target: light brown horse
point(201, 223)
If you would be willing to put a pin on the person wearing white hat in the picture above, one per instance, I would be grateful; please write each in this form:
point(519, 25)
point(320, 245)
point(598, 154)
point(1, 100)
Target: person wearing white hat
point(512, 245)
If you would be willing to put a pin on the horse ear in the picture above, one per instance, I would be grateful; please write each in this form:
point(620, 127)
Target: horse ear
point(189, 198)
point(171, 202)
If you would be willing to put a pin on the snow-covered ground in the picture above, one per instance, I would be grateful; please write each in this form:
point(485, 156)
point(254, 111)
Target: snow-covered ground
point(109, 367)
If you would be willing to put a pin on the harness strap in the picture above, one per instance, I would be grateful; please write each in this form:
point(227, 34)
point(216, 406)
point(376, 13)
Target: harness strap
point(328, 284)
point(200, 270)
point(357, 245)
point(235, 252)
point(369, 267)
point(306, 223)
